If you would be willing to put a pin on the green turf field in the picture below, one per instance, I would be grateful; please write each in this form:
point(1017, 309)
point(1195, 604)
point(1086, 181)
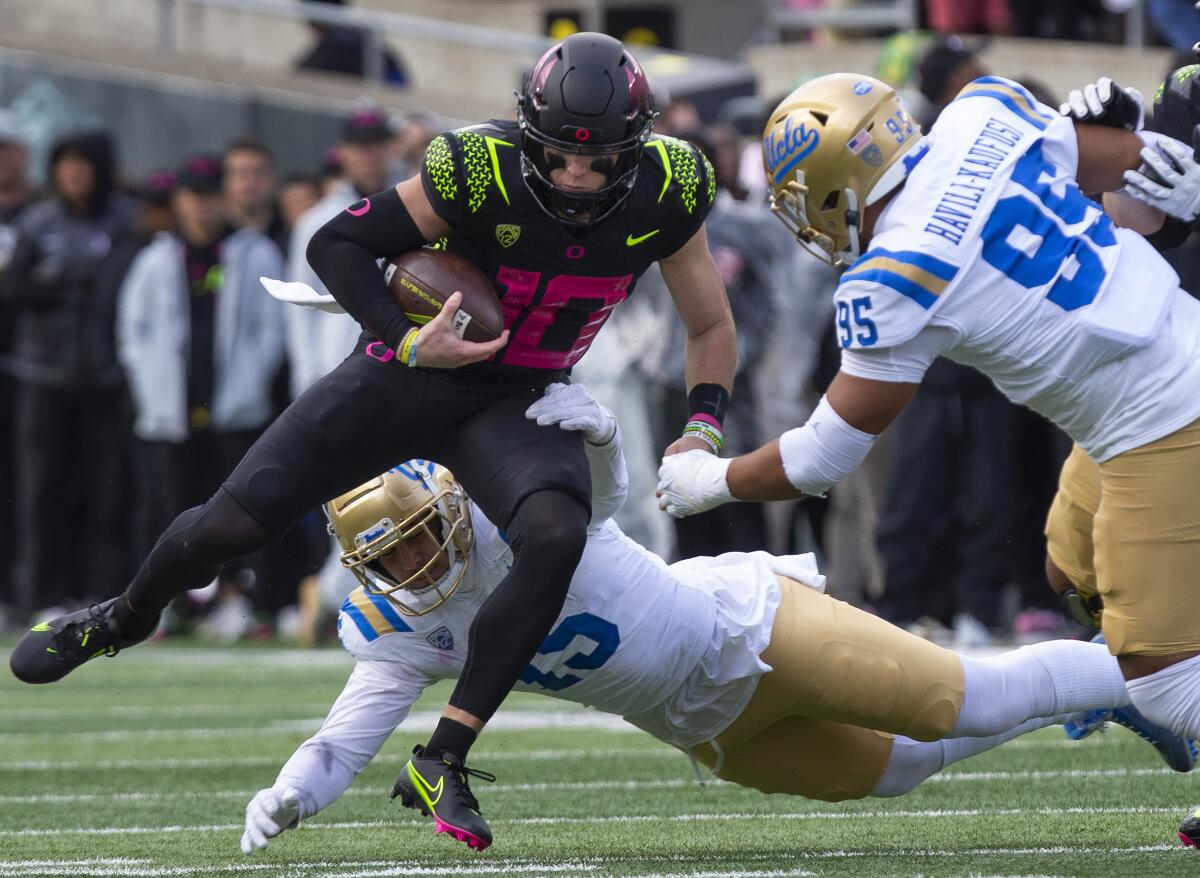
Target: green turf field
point(177, 740)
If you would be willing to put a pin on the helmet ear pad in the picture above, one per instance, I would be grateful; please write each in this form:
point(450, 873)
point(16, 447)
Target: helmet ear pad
point(586, 95)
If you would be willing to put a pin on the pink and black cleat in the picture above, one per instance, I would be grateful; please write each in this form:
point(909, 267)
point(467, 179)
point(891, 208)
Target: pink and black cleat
point(438, 786)
point(1189, 830)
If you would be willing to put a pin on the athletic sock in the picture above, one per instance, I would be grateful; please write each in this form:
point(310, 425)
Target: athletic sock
point(913, 762)
point(1171, 697)
point(132, 623)
point(451, 736)
point(1045, 679)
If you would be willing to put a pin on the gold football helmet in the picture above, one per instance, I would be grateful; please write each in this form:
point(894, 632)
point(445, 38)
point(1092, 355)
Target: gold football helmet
point(831, 149)
point(416, 498)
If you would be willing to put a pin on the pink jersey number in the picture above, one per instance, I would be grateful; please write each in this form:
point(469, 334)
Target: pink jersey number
point(561, 305)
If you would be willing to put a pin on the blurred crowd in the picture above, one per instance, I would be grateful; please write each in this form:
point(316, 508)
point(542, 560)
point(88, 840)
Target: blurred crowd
point(140, 357)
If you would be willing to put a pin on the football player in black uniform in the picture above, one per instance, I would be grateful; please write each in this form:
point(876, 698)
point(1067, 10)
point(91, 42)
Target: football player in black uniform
point(1161, 199)
point(564, 209)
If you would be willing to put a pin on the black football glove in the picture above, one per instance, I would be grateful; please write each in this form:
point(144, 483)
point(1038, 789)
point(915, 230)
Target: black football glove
point(1103, 102)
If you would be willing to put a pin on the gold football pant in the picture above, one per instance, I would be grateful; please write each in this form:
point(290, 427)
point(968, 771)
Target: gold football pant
point(1128, 529)
point(842, 683)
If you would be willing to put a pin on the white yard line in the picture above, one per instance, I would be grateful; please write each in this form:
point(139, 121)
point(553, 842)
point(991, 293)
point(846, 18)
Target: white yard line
point(620, 818)
point(419, 721)
point(481, 755)
point(69, 798)
point(581, 786)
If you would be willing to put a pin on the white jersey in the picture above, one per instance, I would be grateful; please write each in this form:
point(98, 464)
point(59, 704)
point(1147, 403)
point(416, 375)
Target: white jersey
point(991, 256)
point(673, 649)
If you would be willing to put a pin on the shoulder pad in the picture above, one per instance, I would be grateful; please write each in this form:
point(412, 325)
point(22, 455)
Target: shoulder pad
point(372, 615)
point(1012, 96)
point(887, 296)
point(464, 166)
point(686, 172)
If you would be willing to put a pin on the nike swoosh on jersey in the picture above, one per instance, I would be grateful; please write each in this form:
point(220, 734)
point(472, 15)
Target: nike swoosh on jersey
point(631, 241)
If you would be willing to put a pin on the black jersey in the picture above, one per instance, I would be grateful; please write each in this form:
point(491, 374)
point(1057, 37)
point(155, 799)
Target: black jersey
point(556, 285)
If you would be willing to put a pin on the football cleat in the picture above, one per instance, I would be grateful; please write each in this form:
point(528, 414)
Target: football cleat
point(51, 650)
point(1189, 830)
point(438, 787)
point(1178, 752)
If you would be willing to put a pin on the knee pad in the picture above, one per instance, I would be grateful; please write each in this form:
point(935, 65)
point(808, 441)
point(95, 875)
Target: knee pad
point(1170, 697)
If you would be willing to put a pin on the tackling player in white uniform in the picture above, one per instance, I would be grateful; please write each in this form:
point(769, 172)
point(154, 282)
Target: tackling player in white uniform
point(740, 660)
point(977, 243)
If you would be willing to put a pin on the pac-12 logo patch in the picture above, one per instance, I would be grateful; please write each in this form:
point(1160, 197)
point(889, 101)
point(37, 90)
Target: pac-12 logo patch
point(507, 234)
point(862, 87)
point(441, 639)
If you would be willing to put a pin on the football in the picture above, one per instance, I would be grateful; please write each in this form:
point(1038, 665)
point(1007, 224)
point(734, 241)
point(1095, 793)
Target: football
point(421, 280)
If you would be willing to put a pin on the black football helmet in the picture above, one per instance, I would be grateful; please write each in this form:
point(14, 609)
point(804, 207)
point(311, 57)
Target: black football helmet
point(586, 95)
point(1177, 103)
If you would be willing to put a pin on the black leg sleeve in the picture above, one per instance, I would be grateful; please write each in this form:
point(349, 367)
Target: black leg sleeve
point(547, 534)
point(343, 254)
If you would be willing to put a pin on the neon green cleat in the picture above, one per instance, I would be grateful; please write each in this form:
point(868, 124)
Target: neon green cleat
point(439, 787)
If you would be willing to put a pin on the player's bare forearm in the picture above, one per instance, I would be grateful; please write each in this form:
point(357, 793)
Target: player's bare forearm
point(759, 475)
point(1127, 212)
point(699, 295)
point(1105, 154)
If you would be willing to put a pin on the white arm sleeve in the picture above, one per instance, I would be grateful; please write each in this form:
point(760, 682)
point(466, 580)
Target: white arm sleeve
point(610, 479)
point(904, 363)
point(376, 700)
point(817, 455)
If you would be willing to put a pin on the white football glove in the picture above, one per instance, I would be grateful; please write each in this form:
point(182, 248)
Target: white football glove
point(1177, 189)
point(1103, 102)
point(692, 481)
point(269, 814)
point(296, 293)
point(572, 407)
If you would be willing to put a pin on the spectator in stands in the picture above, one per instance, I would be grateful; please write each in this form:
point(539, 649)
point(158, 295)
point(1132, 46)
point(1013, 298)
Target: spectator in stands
point(339, 49)
point(72, 422)
point(969, 16)
point(201, 344)
point(318, 341)
point(1057, 19)
point(248, 178)
point(1177, 23)
point(297, 194)
point(942, 72)
point(15, 195)
point(331, 170)
point(413, 135)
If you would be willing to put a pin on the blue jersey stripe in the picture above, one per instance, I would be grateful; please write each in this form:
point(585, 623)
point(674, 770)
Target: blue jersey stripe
point(897, 282)
point(360, 620)
point(388, 612)
point(935, 266)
